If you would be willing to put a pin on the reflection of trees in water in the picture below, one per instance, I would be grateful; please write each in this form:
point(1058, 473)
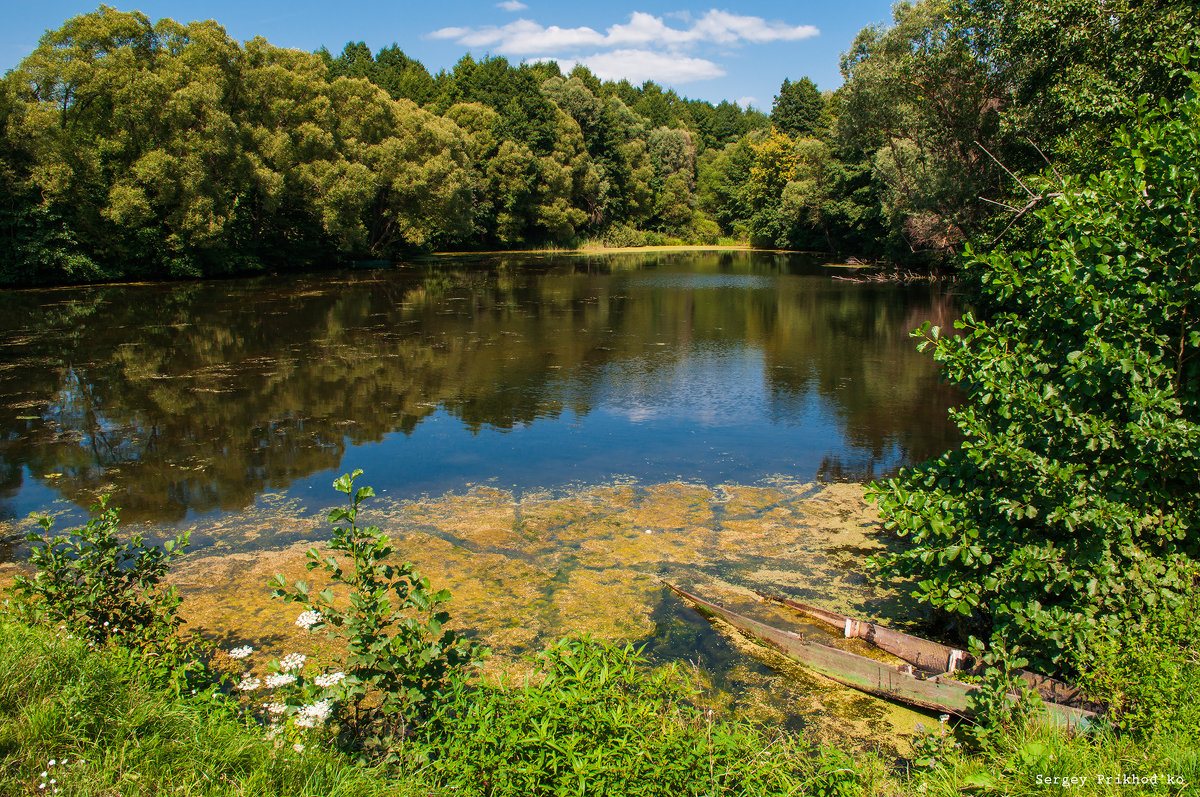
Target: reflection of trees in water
point(199, 396)
point(850, 344)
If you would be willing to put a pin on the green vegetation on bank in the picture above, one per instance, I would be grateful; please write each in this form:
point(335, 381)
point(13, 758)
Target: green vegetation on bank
point(1072, 508)
point(134, 149)
point(95, 706)
point(1064, 529)
point(592, 720)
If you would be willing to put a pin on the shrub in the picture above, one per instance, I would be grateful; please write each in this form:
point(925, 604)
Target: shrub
point(105, 590)
point(102, 587)
point(705, 230)
point(400, 660)
point(624, 235)
point(1150, 674)
point(1074, 502)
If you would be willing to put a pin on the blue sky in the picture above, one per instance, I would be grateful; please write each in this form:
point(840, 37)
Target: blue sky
point(739, 52)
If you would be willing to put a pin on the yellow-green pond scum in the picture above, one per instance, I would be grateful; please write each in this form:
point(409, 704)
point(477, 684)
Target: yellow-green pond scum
point(526, 568)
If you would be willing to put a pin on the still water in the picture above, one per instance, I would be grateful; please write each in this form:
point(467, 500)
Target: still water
point(551, 438)
point(192, 400)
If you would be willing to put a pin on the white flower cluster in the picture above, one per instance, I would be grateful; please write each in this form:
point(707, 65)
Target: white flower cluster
point(249, 683)
point(241, 653)
point(314, 715)
point(280, 679)
point(308, 619)
point(276, 708)
point(326, 681)
point(292, 661)
point(48, 783)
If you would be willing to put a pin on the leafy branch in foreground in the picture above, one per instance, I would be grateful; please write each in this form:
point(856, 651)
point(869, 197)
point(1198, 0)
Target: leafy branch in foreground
point(400, 659)
point(1073, 504)
point(100, 586)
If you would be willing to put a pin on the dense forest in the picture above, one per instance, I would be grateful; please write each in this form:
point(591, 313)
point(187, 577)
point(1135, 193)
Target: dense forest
point(130, 148)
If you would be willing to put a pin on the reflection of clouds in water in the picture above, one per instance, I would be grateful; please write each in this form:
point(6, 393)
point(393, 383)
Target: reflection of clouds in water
point(187, 399)
point(704, 386)
point(637, 414)
point(677, 282)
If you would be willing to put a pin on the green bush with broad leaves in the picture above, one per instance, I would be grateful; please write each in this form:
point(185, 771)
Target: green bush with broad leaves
point(400, 660)
point(594, 720)
point(1073, 505)
point(105, 589)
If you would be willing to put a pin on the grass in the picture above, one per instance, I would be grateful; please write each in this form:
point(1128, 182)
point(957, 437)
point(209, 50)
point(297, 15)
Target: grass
point(112, 731)
point(1045, 761)
point(120, 735)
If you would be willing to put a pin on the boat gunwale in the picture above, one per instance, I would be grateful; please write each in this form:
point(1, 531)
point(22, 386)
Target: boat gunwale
point(1071, 716)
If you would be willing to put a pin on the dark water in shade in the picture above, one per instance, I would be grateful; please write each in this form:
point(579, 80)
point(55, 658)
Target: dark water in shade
point(531, 372)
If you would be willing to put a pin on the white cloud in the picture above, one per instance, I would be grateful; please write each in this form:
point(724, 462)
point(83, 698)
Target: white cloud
point(511, 5)
point(525, 36)
point(746, 102)
point(638, 66)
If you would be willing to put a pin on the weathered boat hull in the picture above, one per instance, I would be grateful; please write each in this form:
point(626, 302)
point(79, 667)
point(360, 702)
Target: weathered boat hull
point(896, 682)
point(931, 657)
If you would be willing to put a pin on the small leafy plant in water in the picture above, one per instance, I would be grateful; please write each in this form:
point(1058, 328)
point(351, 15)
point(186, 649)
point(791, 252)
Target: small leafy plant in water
point(400, 661)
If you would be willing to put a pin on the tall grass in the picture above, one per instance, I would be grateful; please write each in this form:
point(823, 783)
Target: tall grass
point(111, 730)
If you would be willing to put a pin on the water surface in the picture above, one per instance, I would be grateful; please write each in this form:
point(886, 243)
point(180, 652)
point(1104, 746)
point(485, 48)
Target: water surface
point(191, 400)
point(550, 438)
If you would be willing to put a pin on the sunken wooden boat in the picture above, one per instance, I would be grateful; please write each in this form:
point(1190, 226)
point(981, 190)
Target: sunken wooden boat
point(924, 680)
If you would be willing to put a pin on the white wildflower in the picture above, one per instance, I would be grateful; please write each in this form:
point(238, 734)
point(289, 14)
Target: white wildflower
point(326, 681)
point(280, 679)
point(308, 619)
point(276, 708)
point(241, 653)
point(249, 683)
point(292, 661)
point(299, 748)
point(314, 715)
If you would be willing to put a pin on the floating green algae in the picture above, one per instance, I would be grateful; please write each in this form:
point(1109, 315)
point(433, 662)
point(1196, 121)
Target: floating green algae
point(525, 569)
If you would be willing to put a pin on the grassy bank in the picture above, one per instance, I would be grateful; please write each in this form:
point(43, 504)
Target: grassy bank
point(600, 248)
point(110, 729)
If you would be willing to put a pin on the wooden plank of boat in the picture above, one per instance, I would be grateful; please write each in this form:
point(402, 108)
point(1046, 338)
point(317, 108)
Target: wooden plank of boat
point(896, 682)
point(929, 656)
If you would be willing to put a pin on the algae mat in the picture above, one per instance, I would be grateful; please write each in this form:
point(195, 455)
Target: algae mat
point(527, 568)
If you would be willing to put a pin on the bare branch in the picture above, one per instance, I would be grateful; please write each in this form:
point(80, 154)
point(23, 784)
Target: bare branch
point(1047, 160)
point(1001, 204)
point(1005, 168)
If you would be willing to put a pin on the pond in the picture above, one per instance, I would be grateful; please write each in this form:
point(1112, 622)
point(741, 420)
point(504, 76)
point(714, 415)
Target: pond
point(546, 432)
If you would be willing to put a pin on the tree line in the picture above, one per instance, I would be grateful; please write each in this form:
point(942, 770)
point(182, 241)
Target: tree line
point(130, 148)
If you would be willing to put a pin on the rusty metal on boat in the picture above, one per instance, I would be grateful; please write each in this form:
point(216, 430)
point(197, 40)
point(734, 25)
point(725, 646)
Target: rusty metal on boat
point(925, 679)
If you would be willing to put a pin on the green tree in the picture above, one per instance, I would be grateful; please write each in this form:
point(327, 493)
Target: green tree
point(919, 101)
point(797, 109)
point(1074, 68)
point(1074, 502)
